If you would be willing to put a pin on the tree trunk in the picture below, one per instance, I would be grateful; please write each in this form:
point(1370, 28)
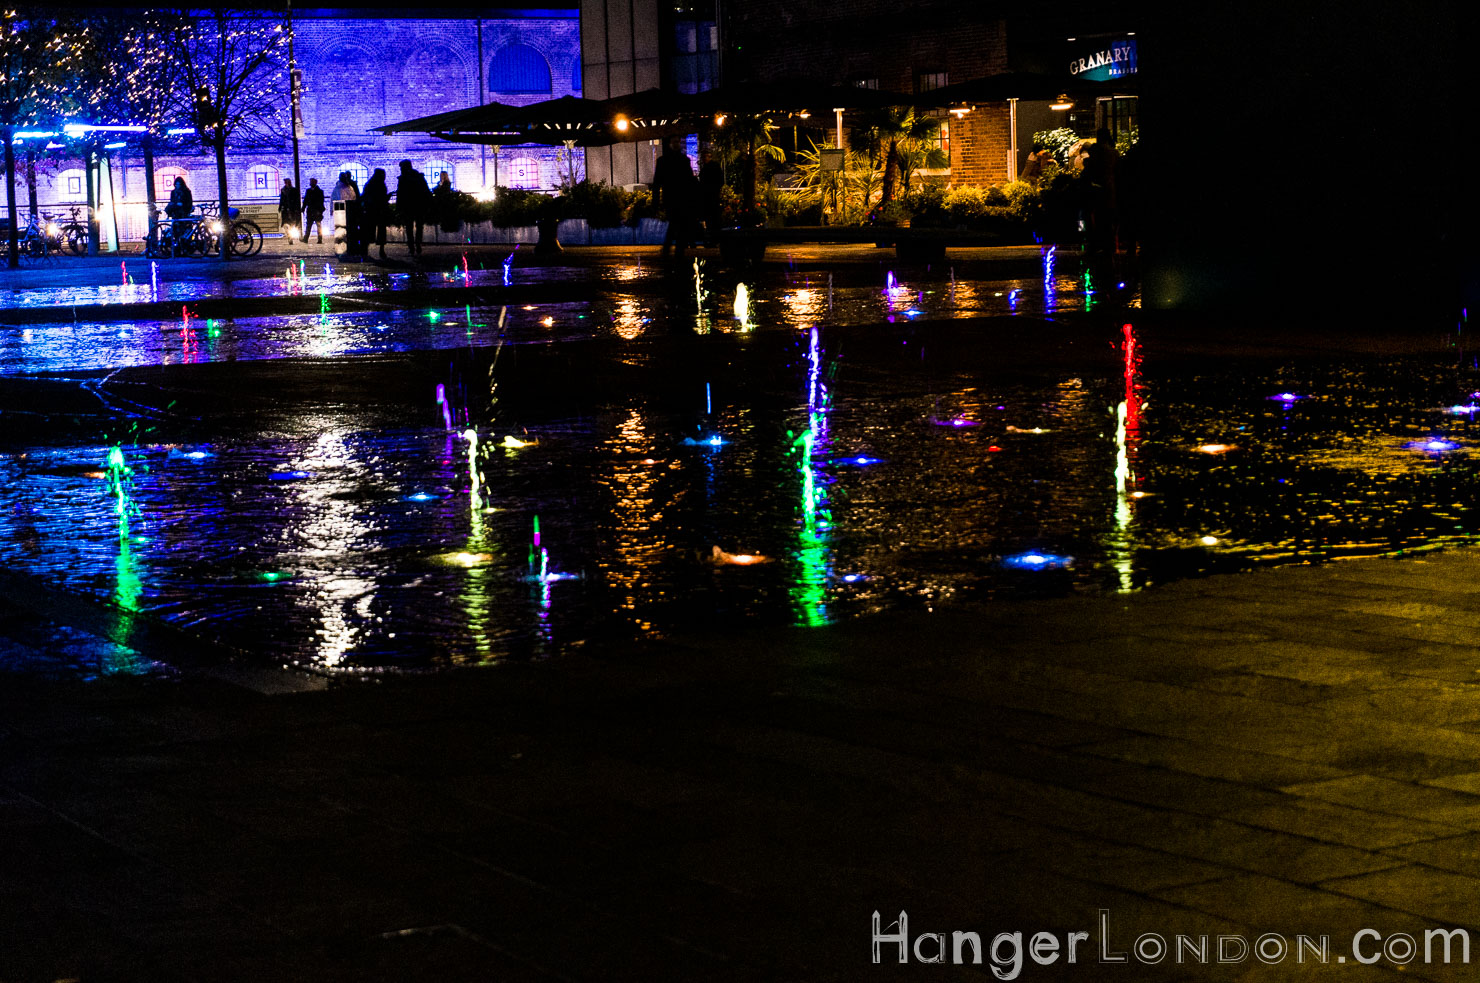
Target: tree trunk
point(31, 183)
point(891, 168)
point(15, 245)
point(93, 225)
point(221, 187)
point(149, 193)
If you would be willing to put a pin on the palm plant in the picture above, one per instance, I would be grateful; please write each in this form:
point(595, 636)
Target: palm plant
point(897, 131)
point(746, 138)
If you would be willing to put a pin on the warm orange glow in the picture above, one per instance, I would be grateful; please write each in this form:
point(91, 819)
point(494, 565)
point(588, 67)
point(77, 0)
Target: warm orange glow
point(1061, 103)
point(1216, 448)
point(622, 123)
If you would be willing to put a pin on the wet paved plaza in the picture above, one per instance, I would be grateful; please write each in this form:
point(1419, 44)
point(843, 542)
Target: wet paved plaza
point(1040, 696)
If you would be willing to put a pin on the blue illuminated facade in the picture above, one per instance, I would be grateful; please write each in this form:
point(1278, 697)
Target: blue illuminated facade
point(362, 69)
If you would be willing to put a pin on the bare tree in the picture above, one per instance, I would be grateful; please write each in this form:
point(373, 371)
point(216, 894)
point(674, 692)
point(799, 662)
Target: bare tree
point(38, 58)
point(136, 80)
point(230, 65)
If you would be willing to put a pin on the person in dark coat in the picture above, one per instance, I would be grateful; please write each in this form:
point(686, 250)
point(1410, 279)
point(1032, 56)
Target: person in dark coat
point(711, 198)
point(313, 208)
point(182, 203)
point(413, 201)
point(1100, 166)
point(375, 200)
point(677, 192)
point(444, 206)
point(289, 211)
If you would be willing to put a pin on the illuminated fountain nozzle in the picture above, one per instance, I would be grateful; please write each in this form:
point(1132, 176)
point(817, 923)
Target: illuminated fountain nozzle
point(514, 443)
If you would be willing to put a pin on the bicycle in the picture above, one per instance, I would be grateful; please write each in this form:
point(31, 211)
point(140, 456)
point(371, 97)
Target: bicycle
point(200, 235)
point(74, 234)
point(35, 240)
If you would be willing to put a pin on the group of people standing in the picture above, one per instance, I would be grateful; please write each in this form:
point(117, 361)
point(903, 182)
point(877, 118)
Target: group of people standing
point(368, 212)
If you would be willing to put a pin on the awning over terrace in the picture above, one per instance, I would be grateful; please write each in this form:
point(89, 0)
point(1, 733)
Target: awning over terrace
point(647, 115)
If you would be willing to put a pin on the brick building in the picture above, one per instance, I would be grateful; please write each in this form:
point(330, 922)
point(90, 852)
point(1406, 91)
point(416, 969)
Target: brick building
point(362, 69)
point(879, 44)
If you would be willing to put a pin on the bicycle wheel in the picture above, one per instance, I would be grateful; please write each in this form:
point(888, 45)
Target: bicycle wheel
point(255, 231)
point(76, 238)
point(241, 241)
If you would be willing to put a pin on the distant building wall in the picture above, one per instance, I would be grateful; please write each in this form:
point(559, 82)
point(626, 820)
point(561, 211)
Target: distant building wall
point(620, 54)
point(361, 70)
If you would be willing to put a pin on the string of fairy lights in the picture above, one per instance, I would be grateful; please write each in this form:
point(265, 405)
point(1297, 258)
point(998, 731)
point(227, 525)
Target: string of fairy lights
point(157, 74)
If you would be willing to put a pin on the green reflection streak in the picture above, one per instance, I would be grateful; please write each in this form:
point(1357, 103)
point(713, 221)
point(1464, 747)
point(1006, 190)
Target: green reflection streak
point(475, 586)
point(809, 593)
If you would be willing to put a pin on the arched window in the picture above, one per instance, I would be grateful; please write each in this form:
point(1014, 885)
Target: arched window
point(523, 172)
point(164, 181)
point(262, 181)
point(71, 185)
point(434, 169)
point(518, 68)
point(347, 90)
point(356, 170)
point(433, 81)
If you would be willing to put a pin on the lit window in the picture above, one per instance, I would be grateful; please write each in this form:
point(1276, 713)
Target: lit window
point(926, 81)
point(866, 83)
point(523, 172)
point(164, 180)
point(434, 169)
point(356, 170)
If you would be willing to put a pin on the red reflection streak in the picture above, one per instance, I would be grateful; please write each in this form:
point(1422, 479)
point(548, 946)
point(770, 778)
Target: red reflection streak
point(1132, 366)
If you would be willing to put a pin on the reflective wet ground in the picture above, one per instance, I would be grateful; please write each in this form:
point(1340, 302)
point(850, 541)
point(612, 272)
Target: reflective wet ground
point(645, 465)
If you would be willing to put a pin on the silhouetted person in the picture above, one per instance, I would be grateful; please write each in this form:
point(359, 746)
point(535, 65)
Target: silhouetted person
point(289, 211)
point(375, 198)
point(313, 208)
point(413, 200)
point(711, 198)
point(1099, 173)
point(676, 191)
point(181, 204)
point(444, 205)
point(345, 190)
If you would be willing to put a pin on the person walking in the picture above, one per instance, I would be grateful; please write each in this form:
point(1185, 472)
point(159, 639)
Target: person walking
point(313, 208)
point(375, 199)
point(289, 211)
point(676, 190)
point(413, 199)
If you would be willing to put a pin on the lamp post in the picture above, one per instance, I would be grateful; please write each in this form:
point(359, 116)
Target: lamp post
point(295, 85)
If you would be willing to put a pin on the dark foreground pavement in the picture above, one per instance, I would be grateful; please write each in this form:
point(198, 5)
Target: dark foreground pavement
point(1295, 751)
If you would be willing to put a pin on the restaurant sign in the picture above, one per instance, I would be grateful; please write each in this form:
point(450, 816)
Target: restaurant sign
point(1115, 60)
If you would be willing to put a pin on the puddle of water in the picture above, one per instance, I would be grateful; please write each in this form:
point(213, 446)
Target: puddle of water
point(842, 485)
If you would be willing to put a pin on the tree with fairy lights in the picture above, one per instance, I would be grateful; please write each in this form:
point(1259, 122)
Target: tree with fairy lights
point(136, 81)
point(230, 68)
point(39, 55)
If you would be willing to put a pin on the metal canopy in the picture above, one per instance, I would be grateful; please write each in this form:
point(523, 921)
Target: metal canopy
point(647, 115)
point(1018, 85)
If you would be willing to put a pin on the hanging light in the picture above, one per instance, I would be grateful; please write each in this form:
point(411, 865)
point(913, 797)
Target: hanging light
point(1061, 103)
point(719, 119)
point(622, 124)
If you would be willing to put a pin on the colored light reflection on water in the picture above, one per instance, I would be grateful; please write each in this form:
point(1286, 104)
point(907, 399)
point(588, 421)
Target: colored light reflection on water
point(634, 503)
